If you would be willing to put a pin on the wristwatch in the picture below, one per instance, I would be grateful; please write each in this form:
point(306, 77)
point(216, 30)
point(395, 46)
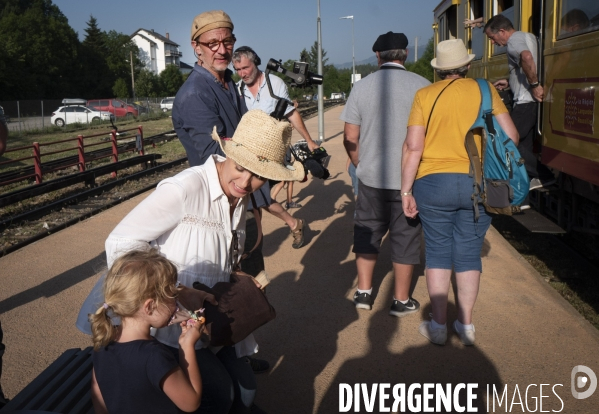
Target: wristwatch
point(534, 85)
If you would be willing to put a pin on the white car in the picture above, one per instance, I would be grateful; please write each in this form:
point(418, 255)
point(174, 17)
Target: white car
point(78, 114)
point(167, 104)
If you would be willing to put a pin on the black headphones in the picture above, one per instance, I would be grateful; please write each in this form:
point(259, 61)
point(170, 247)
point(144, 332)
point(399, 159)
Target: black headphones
point(242, 49)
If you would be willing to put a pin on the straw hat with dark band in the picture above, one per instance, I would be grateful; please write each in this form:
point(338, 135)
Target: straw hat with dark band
point(259, 145)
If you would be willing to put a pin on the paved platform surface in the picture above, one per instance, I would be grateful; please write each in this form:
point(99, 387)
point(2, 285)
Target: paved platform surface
point(527, 335)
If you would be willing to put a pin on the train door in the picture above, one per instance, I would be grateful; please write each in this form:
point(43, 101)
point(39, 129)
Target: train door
point(477, 39)
point(447, 22)
point(571, 78)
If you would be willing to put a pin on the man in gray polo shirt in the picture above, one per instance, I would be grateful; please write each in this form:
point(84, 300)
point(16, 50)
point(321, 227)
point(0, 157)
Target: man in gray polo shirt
point(376, 117)
point(522, 53)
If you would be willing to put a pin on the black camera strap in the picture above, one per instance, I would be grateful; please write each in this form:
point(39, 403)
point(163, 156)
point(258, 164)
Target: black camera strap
point(435, 103)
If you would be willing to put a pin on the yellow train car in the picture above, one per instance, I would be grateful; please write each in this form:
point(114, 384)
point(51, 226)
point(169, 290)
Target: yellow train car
point(568, 64)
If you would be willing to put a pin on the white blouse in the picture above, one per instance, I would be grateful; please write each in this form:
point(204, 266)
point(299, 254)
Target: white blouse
point(187, 219)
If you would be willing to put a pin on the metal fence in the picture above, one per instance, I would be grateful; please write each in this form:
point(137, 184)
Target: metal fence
point(27, 115)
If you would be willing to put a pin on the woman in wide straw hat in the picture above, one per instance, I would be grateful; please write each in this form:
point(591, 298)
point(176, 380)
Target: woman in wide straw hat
point(436, 186)
point(196, 219)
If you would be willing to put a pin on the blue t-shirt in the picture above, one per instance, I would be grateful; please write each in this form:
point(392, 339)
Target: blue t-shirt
point(129, 376)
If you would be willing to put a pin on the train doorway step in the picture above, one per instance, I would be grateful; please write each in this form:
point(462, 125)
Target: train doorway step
point(537, 223)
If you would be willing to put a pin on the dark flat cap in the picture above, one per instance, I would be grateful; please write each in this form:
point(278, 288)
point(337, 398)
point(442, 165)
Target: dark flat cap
point(390, 41)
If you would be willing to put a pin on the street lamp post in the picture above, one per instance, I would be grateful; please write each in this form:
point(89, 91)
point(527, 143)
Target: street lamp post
point(353, 79)
point(320, 87)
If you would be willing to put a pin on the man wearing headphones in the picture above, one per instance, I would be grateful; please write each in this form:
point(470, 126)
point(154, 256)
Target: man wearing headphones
point(254, 90)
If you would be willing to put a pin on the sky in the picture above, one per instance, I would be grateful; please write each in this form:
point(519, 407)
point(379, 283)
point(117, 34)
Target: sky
point(274, 29)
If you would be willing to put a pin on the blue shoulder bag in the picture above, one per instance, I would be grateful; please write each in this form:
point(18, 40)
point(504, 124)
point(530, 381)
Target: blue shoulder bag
point(500, 179)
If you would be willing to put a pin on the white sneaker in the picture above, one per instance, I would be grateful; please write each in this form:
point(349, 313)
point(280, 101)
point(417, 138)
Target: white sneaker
point(436, 336)
point(467, 336)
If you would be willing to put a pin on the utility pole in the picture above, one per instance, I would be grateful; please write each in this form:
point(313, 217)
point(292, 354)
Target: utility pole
point(416, 50)
point(320, 87)
point(353, 56)
point(132, 77)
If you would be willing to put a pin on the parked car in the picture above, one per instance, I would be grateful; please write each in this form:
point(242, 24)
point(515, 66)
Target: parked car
point(115, 106)
point(71, 114)
point(338, 95)
point(167, 104)
point(140, 108)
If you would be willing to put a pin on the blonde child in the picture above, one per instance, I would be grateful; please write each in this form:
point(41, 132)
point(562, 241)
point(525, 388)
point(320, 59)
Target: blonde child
point(133, 372)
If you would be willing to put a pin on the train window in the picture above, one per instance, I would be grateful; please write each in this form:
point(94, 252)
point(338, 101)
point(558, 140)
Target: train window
point(448, 24)
point(452, 20)
point(442, 28)
point(477, 39)
point(577, 17)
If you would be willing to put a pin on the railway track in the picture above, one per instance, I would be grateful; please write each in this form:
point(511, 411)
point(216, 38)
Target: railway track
point(32, 225)
point(25, 227)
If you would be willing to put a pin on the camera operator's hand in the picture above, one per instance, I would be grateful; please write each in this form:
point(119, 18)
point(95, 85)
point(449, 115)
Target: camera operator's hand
point(312, 145)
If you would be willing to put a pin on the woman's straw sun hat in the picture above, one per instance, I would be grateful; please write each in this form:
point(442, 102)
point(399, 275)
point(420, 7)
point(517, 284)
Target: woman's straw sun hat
point(259, 145)
point(451, 54)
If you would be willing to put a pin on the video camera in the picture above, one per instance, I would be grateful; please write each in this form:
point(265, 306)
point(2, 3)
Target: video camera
point(300, 77)
point(313, 161)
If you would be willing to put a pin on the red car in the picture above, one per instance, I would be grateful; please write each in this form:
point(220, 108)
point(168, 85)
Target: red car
point(115, 106)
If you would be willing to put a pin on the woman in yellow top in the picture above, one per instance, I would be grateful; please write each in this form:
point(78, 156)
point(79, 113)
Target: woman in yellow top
point(436, 185)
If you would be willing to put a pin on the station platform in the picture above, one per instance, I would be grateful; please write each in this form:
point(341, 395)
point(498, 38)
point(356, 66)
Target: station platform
point(527, 335)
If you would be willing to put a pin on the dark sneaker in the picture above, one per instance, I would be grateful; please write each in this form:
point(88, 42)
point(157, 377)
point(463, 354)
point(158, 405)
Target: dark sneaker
point(399, 309)
point(298, 234)
point(258, 365)
point(362, 300)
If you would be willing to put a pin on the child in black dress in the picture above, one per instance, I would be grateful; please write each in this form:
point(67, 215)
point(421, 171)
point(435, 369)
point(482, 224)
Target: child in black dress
point(133, 372)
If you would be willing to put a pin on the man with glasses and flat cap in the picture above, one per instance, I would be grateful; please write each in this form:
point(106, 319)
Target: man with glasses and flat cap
point(209, 98)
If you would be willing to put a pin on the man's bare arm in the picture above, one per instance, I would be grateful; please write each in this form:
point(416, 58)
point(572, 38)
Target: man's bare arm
point(530, 70)
point(298, 123)
point(351, 141)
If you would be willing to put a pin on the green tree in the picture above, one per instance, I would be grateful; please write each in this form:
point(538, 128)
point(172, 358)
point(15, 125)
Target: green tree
point(336, 80)
point(38, 51)
point(147, 84)
point(171, 80)
point(120, 89)
point(312, 57)
point(423, 66)
point(120, 49)
point(97, 78)
point(95, 38)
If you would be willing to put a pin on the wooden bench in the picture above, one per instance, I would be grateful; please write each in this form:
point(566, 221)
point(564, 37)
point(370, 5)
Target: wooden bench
point(63, 387)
